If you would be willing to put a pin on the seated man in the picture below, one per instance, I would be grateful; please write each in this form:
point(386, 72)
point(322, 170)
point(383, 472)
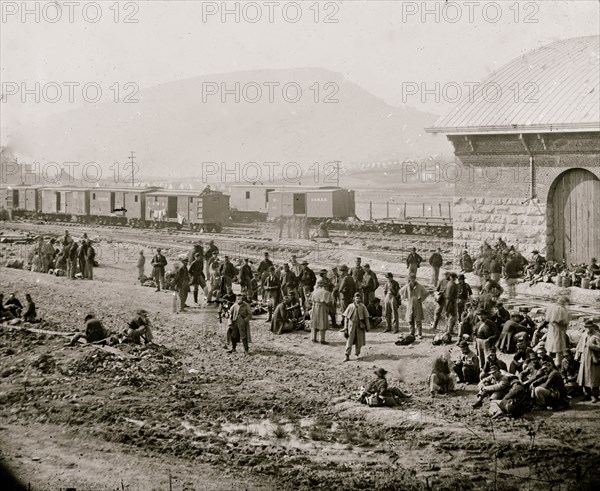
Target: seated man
point(569, 369)
point(442, 376)
point(495, 386)
point(94, 331)
point(520, 358)
point(515, 403)
point(467, 366)
point(5, 314)
point(13, 305)
point(226, 301)
point(491, 360)
point(375, 313)
point(551, 392)
point(139, 329)
point(468, 322)
point(378, 389)
point(510, 329)
point(281, 319)
point(30, 313)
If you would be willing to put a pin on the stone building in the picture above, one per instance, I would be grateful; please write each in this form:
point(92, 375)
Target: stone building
point(527, 154)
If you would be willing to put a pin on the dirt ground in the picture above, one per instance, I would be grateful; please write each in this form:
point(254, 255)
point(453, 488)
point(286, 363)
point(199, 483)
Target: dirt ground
point(185, 415)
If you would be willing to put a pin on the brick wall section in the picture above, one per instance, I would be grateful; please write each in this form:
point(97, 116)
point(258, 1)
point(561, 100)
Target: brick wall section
point(492, 179)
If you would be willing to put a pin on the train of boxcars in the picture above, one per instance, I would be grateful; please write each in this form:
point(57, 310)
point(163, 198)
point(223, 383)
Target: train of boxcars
point(206, 211)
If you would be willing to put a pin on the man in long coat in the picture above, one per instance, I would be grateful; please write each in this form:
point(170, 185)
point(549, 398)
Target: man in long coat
point(588, 351)
point(390, 303)
point(182, 284)
point(346, 288)
point(322, 301)
point(240, 316)
point(413, 295)
point(356, 326)
point(272, 288)
point(413, 261)
point(370, 283)
point(558, 318)
point(197, 278)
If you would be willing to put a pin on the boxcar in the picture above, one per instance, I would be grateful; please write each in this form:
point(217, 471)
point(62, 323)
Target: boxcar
point(65, 204)
point(118, 206)
point(250, 198)
point(320, 203)
point(207, 210)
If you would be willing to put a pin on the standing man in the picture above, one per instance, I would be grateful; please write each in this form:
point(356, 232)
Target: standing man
point(263, 271)
point(81, 256)
point(227, 272)
point(158, 269)
point(588, 353)
point(90, 257)
point(196, 272)
point(289, 281)
point(246, 277)
point(466, 263)
point(436, 261)
point(240, 316)
point(369, 285)
point(72, 260)
point(439, 295)
point(272, 288)
point(321, 300)
point(182, 283)
point(413, 295)
point(295, 266)
point(413, 261)
point(451, 303)
point(358, 274)
point(141, 263)
point(464, 294)
point(391, 304)
point(346, 288)
point(306, 286)
point(356, 326)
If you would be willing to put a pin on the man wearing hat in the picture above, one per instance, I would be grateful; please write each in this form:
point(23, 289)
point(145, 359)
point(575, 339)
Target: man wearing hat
point(228, 273)
point(370, 283)
point(449, 305)
point(158, 269)
point(376, 387)
point(263, 271)
point(322, 301)
point(520, 358)
point(306, 285)
point(246, 276)
point(289, 281)
point(486, 333)
point(182, 283)
point(214, 266)
point(347, 289)
point(588, 353)
point(358, 273)
point(495, 386)
point(551, 392)
point(491, 361)
point(466, 263)
point(391, 290)
point(413, 261)
point(414, 294)
point(272, 288)
point(467, 365)
point(464, 293)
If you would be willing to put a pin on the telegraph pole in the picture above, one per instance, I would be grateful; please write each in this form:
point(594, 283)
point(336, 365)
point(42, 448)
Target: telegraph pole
point(132, 162)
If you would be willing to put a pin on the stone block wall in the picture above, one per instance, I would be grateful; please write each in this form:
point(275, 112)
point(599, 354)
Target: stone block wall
point(477, 219)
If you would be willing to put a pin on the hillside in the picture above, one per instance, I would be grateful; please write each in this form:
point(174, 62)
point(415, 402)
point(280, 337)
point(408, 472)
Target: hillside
point(173, 131)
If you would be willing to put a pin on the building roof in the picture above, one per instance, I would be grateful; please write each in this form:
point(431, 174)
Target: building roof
point(183, 192)
point(558, 91)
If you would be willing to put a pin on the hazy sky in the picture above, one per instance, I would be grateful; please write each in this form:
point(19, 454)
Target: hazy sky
point(377, 44)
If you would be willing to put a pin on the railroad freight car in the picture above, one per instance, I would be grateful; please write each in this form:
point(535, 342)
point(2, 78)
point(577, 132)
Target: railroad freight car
point(205, 211)
point(320, 203)
point(118, 206)
point(65, 204)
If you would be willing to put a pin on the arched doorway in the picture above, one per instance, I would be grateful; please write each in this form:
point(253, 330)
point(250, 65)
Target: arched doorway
point(575, 219)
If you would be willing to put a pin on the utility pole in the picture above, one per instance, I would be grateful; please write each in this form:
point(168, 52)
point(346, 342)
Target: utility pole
point(132, 162)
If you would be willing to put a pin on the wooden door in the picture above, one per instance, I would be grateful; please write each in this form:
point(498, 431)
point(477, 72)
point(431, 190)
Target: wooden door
point(576, 203)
